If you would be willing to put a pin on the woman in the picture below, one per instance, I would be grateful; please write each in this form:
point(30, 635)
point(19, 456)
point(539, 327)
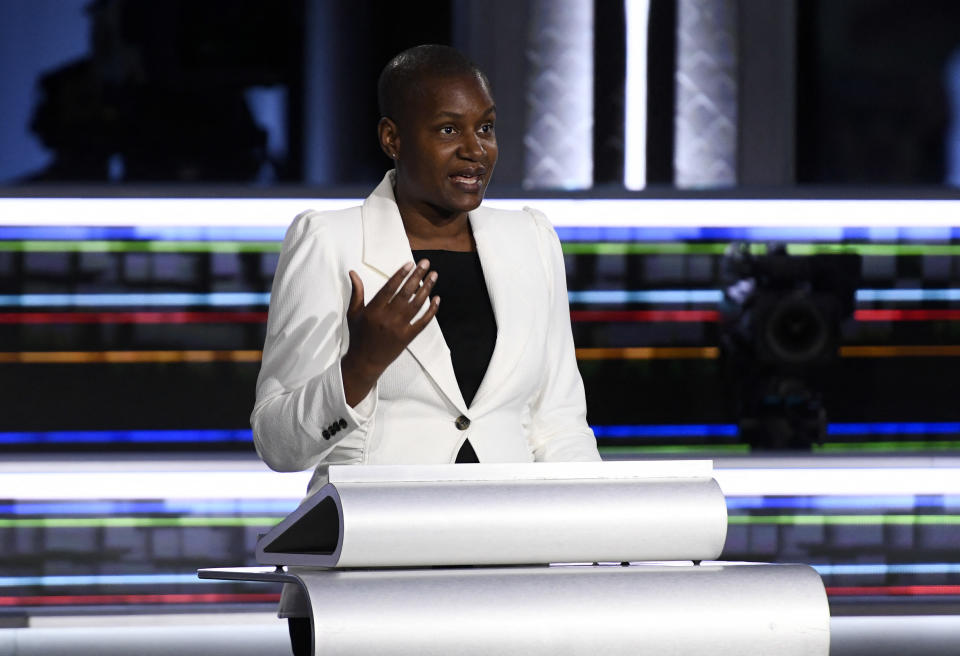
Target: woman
point(391, 376)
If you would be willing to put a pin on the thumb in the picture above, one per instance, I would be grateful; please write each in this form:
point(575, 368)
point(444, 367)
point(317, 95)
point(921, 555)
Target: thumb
point(356, 295)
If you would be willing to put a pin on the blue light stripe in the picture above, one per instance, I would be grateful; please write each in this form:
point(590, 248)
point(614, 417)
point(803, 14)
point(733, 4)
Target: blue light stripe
point(216, 299)
point(907, 295)
point(586, 233)
point(667, 430)
point(892, 234)
point(665, 296)
point(845, 502)
point(142, 233)
point(180, 507)
point(612, 431)
point(127, 437)
point(104, 579)
point(587, 297)
point(883, 569)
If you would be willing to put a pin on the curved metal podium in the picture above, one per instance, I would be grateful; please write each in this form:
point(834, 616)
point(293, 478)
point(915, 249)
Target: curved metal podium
point(414, 560)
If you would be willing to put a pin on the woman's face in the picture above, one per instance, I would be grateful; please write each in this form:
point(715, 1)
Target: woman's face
point(446, 146)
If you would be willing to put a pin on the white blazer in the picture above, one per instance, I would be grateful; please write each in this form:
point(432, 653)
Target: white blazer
point(530, 404)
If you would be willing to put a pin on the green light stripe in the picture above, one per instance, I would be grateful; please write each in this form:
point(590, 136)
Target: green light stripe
point(137, 522)
point(36, 246)
point(719, 248)
point(874, 249)
point(674, 448)
point(569, 248)
point(832, 520)
point(887, 446)
point(651, 248)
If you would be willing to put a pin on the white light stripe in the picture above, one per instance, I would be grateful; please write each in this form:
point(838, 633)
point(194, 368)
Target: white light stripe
point(565, 212)
point(635, 105)
point(823, 481)
point(143, 483)
point(153, 485)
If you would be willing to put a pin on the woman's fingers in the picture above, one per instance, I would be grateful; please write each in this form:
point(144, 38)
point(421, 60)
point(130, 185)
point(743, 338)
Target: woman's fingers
point(413, 283)
point(422, 322)
point(356, 295)
point(417, 301)
point(390, 287)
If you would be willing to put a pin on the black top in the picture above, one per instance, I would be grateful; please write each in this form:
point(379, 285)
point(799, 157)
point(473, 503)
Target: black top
point(465, 315)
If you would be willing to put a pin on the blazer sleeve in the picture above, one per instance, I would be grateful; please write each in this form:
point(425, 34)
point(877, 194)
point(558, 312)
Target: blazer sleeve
point(301, 412)
point(558, 426)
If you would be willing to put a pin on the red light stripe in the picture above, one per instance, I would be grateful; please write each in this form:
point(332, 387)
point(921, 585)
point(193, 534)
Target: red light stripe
point(86, 600)
point(646, 316)
point(907, 315)
point(893, 590)
point(131, 317)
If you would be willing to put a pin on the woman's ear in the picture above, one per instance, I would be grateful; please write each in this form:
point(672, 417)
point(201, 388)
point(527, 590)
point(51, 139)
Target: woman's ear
point(389, 139)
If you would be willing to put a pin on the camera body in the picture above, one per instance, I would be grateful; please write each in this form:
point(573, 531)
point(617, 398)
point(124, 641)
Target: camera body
point(780, 329)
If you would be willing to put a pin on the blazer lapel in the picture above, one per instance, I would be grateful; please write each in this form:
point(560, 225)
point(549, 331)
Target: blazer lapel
point(505, 274)
point(385, 249)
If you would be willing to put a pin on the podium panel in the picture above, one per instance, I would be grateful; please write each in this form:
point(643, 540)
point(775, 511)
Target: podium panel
point(449, 515)
point(719, 609)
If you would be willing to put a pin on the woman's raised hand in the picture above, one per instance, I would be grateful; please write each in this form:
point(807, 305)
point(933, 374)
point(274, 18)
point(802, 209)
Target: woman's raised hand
point(381, 329)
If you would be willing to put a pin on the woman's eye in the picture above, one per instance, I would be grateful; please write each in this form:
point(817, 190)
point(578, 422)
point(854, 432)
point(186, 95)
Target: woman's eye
point(486, 128)
point(447, 129)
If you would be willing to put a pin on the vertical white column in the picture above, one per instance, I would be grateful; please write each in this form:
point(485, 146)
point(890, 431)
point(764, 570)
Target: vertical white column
point(559, 135)
point(637, 14)
point(705, 144)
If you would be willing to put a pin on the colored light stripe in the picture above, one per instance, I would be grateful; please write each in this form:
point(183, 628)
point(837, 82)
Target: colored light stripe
point(129, 599)
point(173, 506)
point(917, 351)
point(176, 299)
point(580, 316)
point(145, 233)
point(893, 590)
point(104, 579)
point(666, 430)
point(127, 357)
point(131, 483)
point(845, 520)
point(609, 297)
point(907, 315)
point(836, 447)
point(794, 235)
point(842, 481)
point(609, 431)
point(929, 217)
point(140, 246)
point(844, 502)
point(907, 295)
point(665, 296)
point(260, 484)
point(647, 248)
point(884, 569)
point(139, 522)
point(649, 353)
point(889, 250)
point(843, 236)
point(674, 449)
point(131, 317)
point(120, 437)
point(644, 316)
point(894, 428)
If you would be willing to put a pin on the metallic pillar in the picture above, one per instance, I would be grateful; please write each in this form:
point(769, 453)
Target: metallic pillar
point(559, 135)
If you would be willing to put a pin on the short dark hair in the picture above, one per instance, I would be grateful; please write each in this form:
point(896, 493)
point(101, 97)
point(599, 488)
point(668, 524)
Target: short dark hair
point(404, 73)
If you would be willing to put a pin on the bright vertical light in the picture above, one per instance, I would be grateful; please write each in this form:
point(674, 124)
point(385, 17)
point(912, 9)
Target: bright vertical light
point(635, 106)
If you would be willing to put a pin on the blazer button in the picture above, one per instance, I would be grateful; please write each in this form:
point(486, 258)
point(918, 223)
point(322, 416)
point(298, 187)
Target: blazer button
point(326, 435)
point(462, 423)
point(343, 423)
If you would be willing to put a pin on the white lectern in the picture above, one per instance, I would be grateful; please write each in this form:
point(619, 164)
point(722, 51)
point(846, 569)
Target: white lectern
point(544, 558)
